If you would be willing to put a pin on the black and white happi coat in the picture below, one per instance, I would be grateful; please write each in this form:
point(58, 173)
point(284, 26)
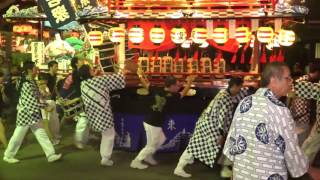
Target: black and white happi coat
point(308, 90)
point(300, 107)
point(262, 143)
point(213, 123)
point(29, 106)
point(96, 99)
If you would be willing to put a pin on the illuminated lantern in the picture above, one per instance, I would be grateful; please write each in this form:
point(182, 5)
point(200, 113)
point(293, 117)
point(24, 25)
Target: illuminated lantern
point(286, 37)
point(178, 35)
point(116, 34)
point(265, 34)
point(157, 35)
point(16, 29)
point(95, 38)
point(199, 35)
point(46, 34)
point(220, 35)
point(136, 35)
point(274, 42)
point(26, 28)
point(167, 65)
point(243, 35)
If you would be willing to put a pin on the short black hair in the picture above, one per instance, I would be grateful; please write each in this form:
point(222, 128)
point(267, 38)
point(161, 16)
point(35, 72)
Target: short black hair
point(169, 81)
point(28, 65)
point(235, 81)
point(314, 67)
point(52, 63)
point(84, 72)
point(74, 62)
point(274, 69)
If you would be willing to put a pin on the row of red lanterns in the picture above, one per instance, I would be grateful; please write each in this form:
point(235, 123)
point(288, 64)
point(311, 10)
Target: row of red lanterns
point(199, 35)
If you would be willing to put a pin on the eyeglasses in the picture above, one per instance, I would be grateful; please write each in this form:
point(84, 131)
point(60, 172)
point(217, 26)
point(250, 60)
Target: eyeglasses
point(288, 78)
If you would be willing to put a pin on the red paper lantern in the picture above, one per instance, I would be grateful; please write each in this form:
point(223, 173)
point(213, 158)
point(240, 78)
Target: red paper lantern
point(220, 35)
point(265, 34)
point(116, 34)
point(157, 35)
point(136, 35)
point(286, 37)
point(178, 35)
point(243, 35)
point(199, 35)
point(95, 38)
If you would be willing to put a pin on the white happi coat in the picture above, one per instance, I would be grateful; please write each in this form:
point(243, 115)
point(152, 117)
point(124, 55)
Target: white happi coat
point(262, 143)
point(213, 123)
point(29, 106)
point(96, 99)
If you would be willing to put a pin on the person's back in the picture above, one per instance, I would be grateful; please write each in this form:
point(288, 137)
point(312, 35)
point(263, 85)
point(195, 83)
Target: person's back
point(262, 143)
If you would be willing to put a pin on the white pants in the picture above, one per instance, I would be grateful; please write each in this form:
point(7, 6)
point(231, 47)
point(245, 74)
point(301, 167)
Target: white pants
point(19, 134)
point(107, 142)
point(185, 158)
point(82, 129)
point(311, 145)
point(53, 119)
point(155, 138)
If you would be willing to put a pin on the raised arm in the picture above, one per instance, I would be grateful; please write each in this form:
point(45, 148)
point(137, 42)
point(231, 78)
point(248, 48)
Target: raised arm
point(187, 86)
point(144, 81)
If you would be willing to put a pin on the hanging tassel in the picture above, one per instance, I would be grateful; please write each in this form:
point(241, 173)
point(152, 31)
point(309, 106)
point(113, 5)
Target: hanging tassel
point(242, 61)
point(156, 56)
point(219, 56)
point(177, 55)
point(234, 58)
point(280, 56)
point(150, 56)
point(196, 55)
point(185, 56)
point(263, 58)
point(272, 56)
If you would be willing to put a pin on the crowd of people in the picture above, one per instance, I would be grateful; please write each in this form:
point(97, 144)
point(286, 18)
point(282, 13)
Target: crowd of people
point(250, 131)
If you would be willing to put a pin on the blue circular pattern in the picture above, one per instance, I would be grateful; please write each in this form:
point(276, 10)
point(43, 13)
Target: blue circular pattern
point(238, 146)
point(273, 99)
point(275, 177)
point(246, 104)
point(262, 133)
point(280, 142)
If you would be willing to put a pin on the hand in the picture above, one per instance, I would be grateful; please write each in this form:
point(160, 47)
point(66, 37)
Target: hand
point(221, 140)
point(131, 66)
point(191, 78)
point(140, 72)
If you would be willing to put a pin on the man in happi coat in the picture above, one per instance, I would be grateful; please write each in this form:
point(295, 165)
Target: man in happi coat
point(262, 143)
point(303, 109)
point(29, 117)
point(211, 128)
point(95, 93)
